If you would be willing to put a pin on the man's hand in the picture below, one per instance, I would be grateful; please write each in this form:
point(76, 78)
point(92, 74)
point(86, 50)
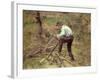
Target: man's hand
point(58, 37)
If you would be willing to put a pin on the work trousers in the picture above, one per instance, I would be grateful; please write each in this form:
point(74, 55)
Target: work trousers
point(69, 41)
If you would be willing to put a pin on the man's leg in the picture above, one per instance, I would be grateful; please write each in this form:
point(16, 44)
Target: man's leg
point(60, 46)
point(69, 44)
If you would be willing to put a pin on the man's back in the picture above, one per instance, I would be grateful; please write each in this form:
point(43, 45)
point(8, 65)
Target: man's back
point(65, 31)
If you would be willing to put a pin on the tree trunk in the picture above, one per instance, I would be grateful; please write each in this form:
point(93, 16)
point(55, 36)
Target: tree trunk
point(39, 22)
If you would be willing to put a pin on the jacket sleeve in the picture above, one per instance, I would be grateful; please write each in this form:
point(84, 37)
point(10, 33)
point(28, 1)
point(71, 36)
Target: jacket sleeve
point(61, 33)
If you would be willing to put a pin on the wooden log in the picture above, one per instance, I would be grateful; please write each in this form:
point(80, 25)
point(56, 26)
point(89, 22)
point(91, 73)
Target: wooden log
point(40, 50)
point(32, 53)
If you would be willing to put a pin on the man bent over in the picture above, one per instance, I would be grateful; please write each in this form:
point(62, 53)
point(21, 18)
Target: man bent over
point(65, 36)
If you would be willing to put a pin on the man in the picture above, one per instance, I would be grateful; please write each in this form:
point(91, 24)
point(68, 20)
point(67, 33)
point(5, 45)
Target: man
point(65, 36)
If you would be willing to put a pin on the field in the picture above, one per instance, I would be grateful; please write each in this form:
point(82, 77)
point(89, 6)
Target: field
point(38, 30)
